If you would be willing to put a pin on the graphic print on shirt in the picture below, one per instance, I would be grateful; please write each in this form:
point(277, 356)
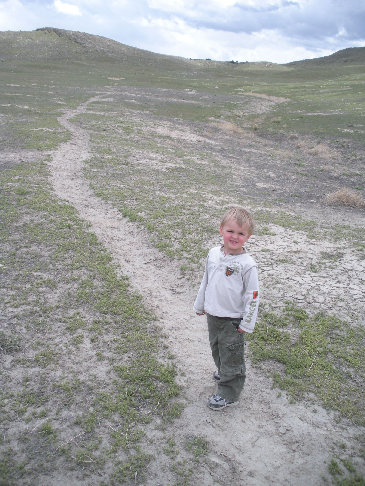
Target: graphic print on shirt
point(252, 309)
point(233, 268)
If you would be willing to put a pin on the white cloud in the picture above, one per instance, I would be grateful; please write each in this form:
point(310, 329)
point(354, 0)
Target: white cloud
point(178, 38)
point(253, 30)
point(14, 15)
point(67, 8)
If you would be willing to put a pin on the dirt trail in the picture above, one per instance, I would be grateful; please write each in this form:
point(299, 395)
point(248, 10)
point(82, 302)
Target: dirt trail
point(264, 440)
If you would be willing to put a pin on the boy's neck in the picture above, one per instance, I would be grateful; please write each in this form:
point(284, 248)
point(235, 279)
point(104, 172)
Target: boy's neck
point(227, 252)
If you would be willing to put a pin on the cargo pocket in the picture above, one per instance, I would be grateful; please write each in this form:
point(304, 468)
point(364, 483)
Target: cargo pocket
point(236, 353)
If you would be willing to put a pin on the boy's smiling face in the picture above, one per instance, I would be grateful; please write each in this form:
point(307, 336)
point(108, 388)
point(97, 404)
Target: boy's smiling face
point(234, 236)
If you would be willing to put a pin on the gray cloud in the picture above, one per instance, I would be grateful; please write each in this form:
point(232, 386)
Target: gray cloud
point(319, 20)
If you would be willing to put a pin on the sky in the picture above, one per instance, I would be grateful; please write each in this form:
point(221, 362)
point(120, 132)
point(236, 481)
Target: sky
point(276, 31)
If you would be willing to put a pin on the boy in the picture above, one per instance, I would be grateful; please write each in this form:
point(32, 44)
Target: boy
point(229, 295)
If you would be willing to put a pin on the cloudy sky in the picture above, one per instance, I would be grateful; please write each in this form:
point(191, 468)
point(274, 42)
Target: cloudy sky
point(241, 30)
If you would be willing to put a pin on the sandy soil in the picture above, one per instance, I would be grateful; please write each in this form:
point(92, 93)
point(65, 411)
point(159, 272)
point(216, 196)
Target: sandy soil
point(265, 440)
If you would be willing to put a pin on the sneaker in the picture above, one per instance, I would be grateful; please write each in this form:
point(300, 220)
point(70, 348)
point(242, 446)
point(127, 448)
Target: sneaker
point(216, 402)
point(216, 376)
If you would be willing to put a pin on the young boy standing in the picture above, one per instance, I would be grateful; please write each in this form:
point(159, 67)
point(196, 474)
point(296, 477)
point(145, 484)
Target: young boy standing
point(229, 296)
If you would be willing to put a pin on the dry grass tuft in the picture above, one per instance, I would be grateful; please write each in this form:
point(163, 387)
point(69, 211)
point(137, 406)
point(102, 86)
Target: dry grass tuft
point(346, 197)
point(229, 127)
point(320, 150)
point(323, 151)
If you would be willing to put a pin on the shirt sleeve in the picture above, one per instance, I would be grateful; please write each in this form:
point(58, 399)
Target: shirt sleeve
point(200, 298)
point(250, 300)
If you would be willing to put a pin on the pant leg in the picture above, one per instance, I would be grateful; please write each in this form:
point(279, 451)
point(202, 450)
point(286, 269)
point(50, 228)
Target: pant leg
point(227, 346)
point(213, 329)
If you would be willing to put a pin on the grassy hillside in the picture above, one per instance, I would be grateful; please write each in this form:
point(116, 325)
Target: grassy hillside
point(351, 56)
point(323, 97)
point(58, 44)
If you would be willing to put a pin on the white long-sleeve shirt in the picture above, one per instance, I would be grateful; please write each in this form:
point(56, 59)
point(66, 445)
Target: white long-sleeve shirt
point(229, 288)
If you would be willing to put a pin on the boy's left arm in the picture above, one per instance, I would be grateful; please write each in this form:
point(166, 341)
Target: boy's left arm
point(250, 300)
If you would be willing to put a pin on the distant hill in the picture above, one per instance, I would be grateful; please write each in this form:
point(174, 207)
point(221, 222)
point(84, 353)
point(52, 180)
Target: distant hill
point(59, 44)
point(352, 55)
point(49, 43)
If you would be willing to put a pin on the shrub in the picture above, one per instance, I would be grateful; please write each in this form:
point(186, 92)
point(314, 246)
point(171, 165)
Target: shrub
point(346, 197)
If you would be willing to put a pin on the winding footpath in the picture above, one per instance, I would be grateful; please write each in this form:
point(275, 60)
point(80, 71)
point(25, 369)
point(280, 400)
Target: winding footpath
point(263, 441)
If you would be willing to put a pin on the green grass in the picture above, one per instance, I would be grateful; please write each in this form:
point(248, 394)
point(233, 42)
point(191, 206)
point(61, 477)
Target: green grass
point(322, 101)
point(60, 281)
point(344, 473)
point(176, 192)
point(321, 356)
point(198, 446)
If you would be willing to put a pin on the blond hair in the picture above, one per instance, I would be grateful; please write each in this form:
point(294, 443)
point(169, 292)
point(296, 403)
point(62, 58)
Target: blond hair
point(240, 215)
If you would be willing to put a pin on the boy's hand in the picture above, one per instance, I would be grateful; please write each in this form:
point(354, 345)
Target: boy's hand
point(240, 330)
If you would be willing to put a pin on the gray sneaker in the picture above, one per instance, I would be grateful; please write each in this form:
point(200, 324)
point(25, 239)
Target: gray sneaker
point(216, 376)
point(216, 402)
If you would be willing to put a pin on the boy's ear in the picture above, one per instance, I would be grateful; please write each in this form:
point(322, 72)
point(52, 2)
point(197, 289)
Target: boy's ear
point(221, 230)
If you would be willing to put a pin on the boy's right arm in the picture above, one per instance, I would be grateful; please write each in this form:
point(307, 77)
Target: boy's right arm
point(200, 298)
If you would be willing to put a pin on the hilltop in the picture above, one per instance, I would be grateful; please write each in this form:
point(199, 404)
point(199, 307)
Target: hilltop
point(50, 43)
point(352, 55)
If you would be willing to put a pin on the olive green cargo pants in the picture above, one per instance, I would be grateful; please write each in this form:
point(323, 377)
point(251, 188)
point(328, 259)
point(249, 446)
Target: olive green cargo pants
point(227, 345)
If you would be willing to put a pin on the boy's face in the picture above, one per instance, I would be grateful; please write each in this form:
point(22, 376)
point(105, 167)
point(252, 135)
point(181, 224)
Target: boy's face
point(234, 236)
